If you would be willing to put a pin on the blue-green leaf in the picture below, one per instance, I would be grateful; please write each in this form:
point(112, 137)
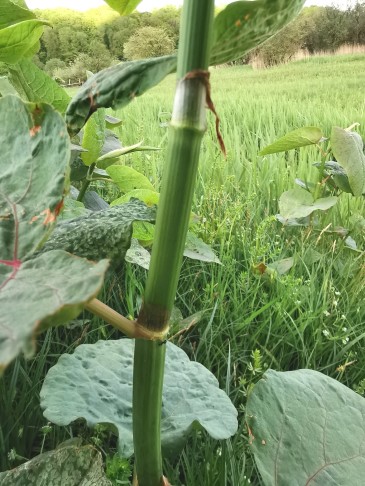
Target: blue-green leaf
point(95, 383)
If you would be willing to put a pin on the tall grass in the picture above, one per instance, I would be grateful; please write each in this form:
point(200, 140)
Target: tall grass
point(313, 316)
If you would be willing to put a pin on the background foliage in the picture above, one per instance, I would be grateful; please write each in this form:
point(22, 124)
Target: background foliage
point(92, 41)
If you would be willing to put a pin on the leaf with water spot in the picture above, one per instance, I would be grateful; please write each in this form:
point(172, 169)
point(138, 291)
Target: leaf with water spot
point(306, 429)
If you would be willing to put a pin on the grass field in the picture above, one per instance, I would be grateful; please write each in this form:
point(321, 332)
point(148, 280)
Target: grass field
point(311, 317)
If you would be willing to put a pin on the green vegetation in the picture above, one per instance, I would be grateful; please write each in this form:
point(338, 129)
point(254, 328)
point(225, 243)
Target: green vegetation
point(310, 317)
point(92, 41)
point(288, 295)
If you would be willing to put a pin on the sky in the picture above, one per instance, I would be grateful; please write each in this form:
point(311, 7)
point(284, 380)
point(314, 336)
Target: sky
point(148, 5)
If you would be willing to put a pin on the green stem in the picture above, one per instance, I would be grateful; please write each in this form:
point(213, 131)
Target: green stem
point(186, 132)
point(86, 183)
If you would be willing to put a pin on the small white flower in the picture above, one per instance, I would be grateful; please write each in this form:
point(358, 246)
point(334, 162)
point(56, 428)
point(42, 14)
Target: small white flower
point(326, 313)
point(325, 332)
point(343, 317)
point(345, 340)
point(298, 302)
point(344, 328)
point(337, 293)
point(335, 303)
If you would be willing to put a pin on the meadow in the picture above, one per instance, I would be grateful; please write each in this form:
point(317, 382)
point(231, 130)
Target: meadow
point(310, 317)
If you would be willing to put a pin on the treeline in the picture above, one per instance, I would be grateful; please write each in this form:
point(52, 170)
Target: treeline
point(80, 42)
point(91, 41)
point(316, 29)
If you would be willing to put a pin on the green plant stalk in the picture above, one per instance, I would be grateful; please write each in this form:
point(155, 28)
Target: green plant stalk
point(86, 182)
point(187, 128)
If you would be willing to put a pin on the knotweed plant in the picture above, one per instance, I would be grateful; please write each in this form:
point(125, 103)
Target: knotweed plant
point(145, 388)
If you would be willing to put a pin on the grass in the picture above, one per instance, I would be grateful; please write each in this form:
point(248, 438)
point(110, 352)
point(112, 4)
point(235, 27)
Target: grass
point(311, 317)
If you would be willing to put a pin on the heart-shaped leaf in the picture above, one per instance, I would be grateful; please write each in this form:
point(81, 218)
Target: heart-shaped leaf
point(348, 148)
point(116, 86)
point(71, 466)
point(298, 203)
point(95, 383)
point(35, 85)
point(241, 26)
point(100, 234)
point(306, 429)
point(295, 139)
point(124, 7)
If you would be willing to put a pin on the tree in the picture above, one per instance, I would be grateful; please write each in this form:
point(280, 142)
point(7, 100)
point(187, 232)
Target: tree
point(282, 47)
point(148, 42)
point(54, 64)
point(117, 33)
point(99, 55)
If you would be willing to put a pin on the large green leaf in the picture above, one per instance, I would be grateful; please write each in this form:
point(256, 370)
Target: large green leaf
point(298, 203)
point(100, 234)
point(307, 429)
point(11, 14)
point(128, 179)
point(48, 290)
point(93, 137)
point(35, 85)
point(116, 86)
point(95, 383)
point(241, 26)
point(17, 40)
point(295, 139)
point(66, 466)
point(348, 148)
point(124, 7)
point(34, 157)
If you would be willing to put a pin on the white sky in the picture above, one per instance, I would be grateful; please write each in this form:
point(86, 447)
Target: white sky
point(147, 5)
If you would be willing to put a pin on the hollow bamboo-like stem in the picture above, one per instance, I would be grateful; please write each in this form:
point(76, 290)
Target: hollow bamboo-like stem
point(186, 132)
